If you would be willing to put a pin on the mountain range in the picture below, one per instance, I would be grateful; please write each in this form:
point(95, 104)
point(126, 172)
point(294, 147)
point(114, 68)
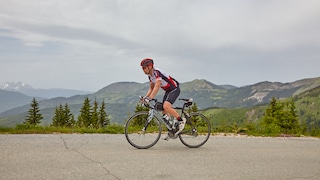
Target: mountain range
point(28, 90)
point(122, 97)
point(15, 94)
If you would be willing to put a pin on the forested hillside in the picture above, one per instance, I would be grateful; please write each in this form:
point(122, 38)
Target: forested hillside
point(236, 119)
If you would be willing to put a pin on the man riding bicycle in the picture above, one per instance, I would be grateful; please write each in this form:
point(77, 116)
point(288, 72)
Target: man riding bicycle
point(159, 79)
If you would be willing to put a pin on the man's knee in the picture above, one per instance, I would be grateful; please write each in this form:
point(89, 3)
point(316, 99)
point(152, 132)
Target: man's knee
point(166, 105)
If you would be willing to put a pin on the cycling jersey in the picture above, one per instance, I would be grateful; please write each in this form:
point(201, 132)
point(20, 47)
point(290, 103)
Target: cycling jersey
point(167, 82)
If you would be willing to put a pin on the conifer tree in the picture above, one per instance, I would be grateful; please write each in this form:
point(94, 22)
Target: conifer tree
point(84, 119)
point(289, 123)
point(193, 108)
point(57, 118)
point(103, 120)
point(68, 117)
point(141, 119)
point(63, 117)
point(281, 116)
point(94, 115)
point(34, 116)
point(270, 114)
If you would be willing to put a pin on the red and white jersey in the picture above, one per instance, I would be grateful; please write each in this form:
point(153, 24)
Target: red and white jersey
point(167, 82)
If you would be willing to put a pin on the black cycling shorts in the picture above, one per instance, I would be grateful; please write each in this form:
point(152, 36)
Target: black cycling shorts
point(171, 96)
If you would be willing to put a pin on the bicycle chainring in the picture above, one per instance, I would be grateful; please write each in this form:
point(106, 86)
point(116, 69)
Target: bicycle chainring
point(171, 134)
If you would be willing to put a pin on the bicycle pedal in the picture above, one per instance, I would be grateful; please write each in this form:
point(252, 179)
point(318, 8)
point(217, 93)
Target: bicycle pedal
point(166, 138)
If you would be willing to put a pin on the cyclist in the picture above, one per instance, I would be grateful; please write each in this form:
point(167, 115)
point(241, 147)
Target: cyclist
point(159, 79)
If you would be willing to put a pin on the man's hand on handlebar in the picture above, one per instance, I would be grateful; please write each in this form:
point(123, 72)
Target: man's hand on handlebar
point(145, 100)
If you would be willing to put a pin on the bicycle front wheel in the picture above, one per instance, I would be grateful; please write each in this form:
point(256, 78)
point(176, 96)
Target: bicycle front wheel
point(196, 131)
point(139, 133)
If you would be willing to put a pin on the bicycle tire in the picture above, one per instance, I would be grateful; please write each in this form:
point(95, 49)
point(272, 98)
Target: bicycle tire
point(135, 135)
point(197, 136)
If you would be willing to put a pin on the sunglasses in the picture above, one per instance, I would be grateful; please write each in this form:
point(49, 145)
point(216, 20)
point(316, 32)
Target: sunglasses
point(144, 67)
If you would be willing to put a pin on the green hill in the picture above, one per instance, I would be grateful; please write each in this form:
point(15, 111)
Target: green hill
point(307, 108)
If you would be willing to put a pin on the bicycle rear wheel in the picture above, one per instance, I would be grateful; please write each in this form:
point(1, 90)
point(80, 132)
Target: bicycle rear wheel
point(196, 131)
point(139, 136)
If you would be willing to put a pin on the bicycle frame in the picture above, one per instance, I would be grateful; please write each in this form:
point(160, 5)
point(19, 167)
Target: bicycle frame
point(153, 112)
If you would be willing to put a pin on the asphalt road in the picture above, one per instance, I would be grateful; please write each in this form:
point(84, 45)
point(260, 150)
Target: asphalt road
point(105, 156)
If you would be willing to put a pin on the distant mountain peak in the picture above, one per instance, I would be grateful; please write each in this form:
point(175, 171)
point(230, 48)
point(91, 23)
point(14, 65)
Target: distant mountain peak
point(201, 84)
point(15, 86)
point(121, 87)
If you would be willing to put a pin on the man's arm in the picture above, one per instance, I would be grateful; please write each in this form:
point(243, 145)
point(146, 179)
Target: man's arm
point(154, 89)
point(151, 86)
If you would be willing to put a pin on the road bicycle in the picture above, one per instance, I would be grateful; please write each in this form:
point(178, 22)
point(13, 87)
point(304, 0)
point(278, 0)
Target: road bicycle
point(143, 129)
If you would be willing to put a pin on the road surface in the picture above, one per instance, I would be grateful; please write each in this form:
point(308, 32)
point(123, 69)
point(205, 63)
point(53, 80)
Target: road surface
point(106, 156)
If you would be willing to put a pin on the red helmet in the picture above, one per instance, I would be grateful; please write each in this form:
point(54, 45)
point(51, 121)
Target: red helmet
point(146, 62)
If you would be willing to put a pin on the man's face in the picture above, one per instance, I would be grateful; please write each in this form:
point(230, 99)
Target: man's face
point(146, 69)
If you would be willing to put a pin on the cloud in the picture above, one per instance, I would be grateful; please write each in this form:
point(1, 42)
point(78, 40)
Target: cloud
point(210, 24)
point(213, 40)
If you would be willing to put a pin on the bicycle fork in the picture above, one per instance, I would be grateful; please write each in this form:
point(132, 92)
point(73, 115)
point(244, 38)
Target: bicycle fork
point(150, 116)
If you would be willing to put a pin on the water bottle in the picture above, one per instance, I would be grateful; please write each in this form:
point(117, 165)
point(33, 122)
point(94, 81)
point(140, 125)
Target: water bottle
point(166, 118)
point(173, 123)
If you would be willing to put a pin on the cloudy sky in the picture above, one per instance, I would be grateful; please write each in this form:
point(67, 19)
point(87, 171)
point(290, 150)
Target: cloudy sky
point(87, 45)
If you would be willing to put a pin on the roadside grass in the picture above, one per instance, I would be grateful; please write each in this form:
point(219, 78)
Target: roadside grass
point(22, 129)
point(119, 129)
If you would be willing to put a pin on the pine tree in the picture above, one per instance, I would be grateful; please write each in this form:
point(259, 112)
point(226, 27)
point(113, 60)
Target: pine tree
point(34, 116)
point(68, 117)
point(141, 119)
point(94, 115)
point(55, 121)
point(63, 117)
point(84, 119)
point(269, 116)
point(281, 116)
point(193, 108)
point(57, 118)
point(103, 120)
point(290, 122)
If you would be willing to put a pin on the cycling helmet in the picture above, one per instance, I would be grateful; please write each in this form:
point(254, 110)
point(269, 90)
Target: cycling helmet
point(146, 62)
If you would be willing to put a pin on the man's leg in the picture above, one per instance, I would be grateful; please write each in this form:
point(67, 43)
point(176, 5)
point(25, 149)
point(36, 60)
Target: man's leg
point(167, 106)
point(169, 99)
